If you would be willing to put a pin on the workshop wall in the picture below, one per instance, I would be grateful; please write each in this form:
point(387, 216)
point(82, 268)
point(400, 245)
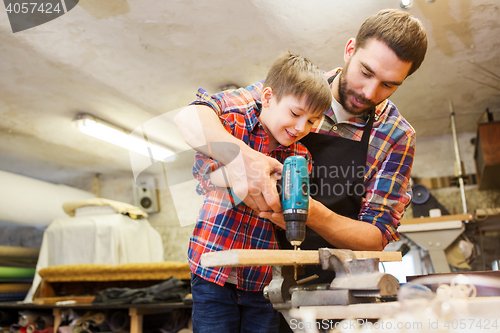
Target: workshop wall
point(435, 157)
point(451, 199)
point(175, 238)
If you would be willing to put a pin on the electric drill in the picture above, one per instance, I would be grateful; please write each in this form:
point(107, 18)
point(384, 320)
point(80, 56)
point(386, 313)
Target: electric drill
point(295, 198)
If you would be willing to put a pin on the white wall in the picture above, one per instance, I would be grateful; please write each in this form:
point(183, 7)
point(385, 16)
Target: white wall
point(175, 237)
point(435, 156)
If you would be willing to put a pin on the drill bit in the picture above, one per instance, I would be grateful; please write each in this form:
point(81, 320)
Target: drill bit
point(295, 248)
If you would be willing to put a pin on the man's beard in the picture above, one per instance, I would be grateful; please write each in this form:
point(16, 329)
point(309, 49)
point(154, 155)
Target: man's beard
point(344, 92)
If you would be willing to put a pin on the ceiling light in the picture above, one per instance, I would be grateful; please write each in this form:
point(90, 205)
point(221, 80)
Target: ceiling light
point(103, 130)
point(406, 4)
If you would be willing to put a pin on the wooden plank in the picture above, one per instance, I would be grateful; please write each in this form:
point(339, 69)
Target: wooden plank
point(430, 226)
point(244, 258)
point(54, 300)
point(149, 311)
point(444, 218)
point(487, 212)
point(381, 255)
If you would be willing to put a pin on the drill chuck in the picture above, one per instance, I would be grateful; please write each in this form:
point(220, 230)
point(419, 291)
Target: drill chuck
point(295, 232)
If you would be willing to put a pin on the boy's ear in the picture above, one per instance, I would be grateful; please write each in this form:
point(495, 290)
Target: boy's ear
point(349, 49)
point(266, 96)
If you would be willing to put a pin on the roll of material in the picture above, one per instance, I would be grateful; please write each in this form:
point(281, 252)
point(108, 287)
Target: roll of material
point(14, 256)
point(30, 201)
point(16, 252)
point(118, 321)
point(16, 273)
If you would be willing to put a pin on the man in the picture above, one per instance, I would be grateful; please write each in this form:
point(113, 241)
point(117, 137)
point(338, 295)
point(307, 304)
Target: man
point(362, 148)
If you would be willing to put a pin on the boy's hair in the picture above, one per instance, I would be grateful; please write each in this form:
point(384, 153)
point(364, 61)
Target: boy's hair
point(294, 75)
point(401, 32)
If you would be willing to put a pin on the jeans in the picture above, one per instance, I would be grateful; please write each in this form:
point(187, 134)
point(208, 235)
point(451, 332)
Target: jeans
point(227, 309)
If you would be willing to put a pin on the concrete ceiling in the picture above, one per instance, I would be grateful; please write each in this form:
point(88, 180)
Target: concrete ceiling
point(129, 61)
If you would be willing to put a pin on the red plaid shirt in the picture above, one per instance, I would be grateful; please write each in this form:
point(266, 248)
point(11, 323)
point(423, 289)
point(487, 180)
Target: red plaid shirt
point(221, 225)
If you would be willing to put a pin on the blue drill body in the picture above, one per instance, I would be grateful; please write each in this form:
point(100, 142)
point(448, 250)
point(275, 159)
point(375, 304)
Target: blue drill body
point(295, 198)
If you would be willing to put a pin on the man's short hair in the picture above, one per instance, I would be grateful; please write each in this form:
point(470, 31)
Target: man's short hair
point(294, 75)
point(401, 32)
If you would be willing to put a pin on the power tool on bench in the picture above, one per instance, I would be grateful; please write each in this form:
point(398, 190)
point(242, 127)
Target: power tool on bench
point(295, 198)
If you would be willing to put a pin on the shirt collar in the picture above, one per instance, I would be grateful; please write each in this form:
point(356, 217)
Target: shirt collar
point(252, 119)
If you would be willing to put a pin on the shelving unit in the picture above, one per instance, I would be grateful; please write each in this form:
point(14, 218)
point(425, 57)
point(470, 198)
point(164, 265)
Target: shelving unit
point(487, 155)
point(135, 311)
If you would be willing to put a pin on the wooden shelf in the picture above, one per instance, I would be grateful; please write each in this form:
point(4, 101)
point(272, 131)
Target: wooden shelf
point(135, 311)
point(487, 155)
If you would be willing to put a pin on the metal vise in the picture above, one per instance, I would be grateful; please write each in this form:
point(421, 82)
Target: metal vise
point(356, 281)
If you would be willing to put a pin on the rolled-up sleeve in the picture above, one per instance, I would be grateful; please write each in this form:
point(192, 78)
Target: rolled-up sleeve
point(202, 167)
point(388, 191)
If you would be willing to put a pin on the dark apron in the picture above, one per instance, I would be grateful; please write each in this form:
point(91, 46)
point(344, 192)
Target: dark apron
point(337, 182)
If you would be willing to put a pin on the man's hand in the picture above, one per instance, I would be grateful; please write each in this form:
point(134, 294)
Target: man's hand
point(253, 177)
point(276, 218)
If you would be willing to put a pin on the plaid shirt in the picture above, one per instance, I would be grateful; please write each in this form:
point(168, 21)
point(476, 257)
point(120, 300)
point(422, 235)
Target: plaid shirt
point(389, 161)
point(220, 224)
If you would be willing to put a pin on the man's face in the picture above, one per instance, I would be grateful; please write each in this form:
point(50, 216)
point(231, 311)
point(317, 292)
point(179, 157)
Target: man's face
point(371, 75)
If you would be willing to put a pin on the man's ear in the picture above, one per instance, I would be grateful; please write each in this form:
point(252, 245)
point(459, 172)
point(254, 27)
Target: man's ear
point(266, 96)
point(349, 49)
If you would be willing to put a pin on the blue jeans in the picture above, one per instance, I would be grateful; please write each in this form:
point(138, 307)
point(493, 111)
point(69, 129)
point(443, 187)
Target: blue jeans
point(227, 309)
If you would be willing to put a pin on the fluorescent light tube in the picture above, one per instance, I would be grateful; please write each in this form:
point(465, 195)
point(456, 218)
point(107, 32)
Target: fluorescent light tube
point(107, 132)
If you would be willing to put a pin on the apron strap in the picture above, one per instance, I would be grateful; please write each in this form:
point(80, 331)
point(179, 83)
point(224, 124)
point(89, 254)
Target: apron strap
point(331, 78)
point(368, 127)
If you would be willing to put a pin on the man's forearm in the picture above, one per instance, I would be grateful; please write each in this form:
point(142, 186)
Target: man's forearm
point(219, 177)
point(343, 232)
point(200, 126)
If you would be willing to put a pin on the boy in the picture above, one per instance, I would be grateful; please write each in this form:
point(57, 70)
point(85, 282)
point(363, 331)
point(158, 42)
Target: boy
point(295, 94)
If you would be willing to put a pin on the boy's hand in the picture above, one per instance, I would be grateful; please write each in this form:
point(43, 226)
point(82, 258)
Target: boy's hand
point(252, 176)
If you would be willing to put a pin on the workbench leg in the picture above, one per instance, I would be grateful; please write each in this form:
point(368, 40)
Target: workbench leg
point(439, 261)
point(57, 313)
point(135, 321)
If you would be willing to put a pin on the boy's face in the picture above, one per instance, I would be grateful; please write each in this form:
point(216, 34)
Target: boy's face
point(287, 121)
